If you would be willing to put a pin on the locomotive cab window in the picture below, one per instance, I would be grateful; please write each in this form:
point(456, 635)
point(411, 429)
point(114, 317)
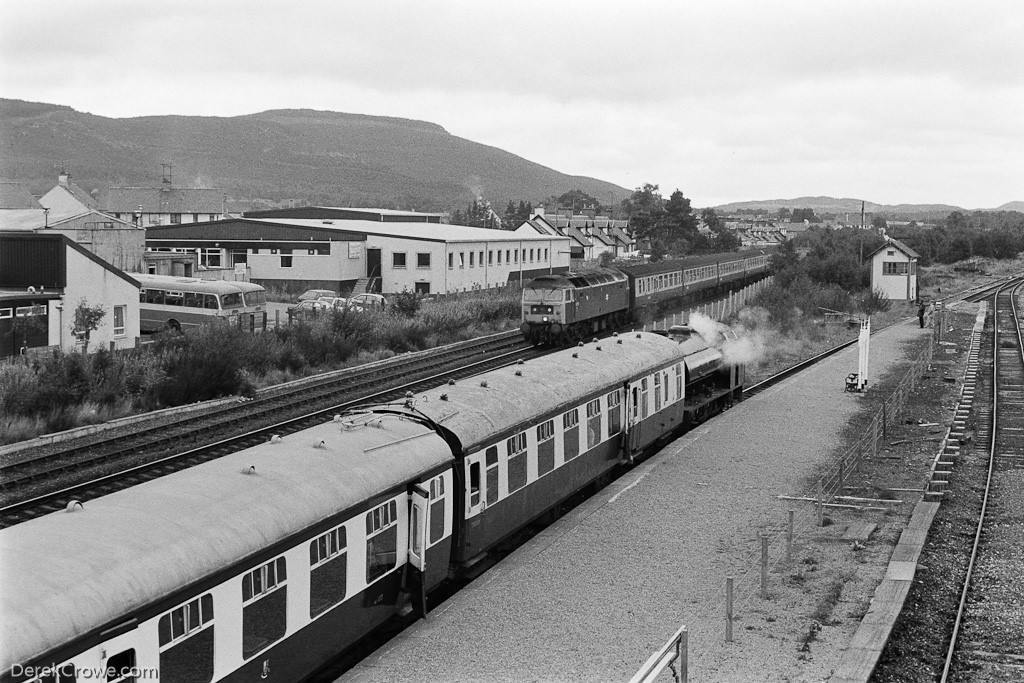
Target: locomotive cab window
point(328, 569)
point(381, 541)
point(120, 667)
point(186, 641)
point(264, 606)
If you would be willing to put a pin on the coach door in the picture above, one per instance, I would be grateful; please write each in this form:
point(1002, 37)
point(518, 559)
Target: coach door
point(419, 499)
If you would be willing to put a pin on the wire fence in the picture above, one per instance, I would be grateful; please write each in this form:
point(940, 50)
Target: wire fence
point(748, 583)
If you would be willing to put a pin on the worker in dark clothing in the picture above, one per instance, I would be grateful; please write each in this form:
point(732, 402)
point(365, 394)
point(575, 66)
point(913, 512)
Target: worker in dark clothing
point(920, 314)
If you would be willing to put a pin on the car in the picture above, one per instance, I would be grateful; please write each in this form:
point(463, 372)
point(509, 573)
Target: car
point(336, 303)
point(316, 294)
point(308, 308)
point(367, 302)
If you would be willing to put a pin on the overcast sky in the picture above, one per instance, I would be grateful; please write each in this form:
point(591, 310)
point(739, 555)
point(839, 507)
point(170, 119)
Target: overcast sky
point(890, 101)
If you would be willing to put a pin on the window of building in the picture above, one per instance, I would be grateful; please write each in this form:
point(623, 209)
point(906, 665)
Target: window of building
point(451, 261)
point(381, 541)
point(264, 606)
point(571, 433)
point(499, 257)
point(286, 258)
point(195, 218)
point(516, 448)
point(186, 641)
point(423, 260)
point(508, 257)
point(398, 259)
point(524, 256)
point(545, 447)
point(209, 258)
point(462, 259)
point(238, 256)
point(422, 288)
point(119, 313)
point(894, 268)
point(490, 257)
point(545, 254)
point(175, 218)
point(491, 460)
point(531, 256)
point(481, 261)
point(472, 257)
point(328, 568)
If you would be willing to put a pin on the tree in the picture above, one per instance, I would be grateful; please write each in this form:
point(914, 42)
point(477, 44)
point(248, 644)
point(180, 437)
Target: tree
point(86, 321)
point(578, 200)
point(879, 223)
point(645, 210)
point(711, 219)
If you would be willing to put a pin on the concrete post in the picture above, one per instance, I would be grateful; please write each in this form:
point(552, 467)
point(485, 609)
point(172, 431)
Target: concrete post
point(728, 609)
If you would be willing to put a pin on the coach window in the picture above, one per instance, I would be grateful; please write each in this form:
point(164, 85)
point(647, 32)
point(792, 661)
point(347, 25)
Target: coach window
point(657, 391)
point(264, 606)
point(65, 673)
point(492, 475)
point(593, 423)
point(571, 429)
point(664, 384)
point(643, 398)
point(381, 541)
point(398, 259)
point(423, 260)
point(545, 447)
point(186, 641)
point(679, 381)
point(516, 449)
point(474, 484)
point(614, 412)
point(436, 509)
point(328, 567)
point(120, 667)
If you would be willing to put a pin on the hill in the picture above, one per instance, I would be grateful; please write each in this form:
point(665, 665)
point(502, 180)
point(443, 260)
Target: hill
point(839, 206)
point(275, 157)
point(1011, 206)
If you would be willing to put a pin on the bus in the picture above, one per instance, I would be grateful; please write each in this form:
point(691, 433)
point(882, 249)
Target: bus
point(167, 302)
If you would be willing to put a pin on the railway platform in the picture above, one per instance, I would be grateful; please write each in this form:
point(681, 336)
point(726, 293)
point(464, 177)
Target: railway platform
point(596, 593)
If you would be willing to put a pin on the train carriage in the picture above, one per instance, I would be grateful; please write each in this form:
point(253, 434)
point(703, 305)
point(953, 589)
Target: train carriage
point(258, 565)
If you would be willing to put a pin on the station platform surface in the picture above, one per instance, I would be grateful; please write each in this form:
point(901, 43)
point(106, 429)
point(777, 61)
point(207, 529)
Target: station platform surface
point(593, 596)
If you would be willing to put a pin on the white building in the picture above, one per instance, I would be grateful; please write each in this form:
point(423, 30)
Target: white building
point(48, 276)
point(366, 255)
point(166, 205)
point(894, 270)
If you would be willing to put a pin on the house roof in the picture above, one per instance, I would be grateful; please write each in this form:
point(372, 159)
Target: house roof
point(163, 200)
point(13, 195)
point(601, 237)
point(68, 198)
point(899, 245)
point(36, 219)
point(578, 236)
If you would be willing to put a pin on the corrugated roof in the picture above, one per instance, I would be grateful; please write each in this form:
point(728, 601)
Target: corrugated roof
point(22, 219)
point(424, 231)
point(161, 200)
point(13, 195)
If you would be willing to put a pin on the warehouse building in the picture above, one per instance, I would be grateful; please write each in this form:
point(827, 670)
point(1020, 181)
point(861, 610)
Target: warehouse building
point(382, 256)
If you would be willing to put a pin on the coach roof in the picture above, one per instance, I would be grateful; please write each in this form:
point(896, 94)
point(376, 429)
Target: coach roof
point(487, 407)
point(70, 573)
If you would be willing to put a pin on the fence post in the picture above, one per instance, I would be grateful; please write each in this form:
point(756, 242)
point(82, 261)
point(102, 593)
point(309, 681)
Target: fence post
point(728, 609)
point(821, 502)
point(277, 318)
point(764, 567)
point(789, 537)
point(884, 420)
point(683, 655)
point(842, 471)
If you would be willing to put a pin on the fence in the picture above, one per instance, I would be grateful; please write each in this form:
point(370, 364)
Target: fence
point(718, 310)
point(775, 545)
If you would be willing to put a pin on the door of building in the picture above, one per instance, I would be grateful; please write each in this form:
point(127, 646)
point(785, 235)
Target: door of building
point(373, 271)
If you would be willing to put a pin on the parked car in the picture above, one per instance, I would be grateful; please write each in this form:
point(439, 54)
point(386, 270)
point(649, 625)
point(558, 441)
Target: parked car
point(332, 302)
point(367, 302)
point(306, 308)
point(317, 294)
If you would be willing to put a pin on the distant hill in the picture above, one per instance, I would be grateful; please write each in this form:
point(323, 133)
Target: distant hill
point(274, 157)
point(822, 205)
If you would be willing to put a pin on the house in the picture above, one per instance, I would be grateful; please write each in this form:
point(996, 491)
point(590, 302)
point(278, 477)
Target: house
point(365, 255)
point(894, 270)
point(68, 199)
point(14, 196)
point(591, 236)
point(165, 205)
point(44, 277)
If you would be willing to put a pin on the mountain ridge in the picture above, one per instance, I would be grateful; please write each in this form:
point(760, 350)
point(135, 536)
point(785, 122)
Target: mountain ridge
point(278, 157)
point(826, 204)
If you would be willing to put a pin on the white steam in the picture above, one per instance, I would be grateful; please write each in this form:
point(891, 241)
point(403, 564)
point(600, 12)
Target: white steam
point(738, 343)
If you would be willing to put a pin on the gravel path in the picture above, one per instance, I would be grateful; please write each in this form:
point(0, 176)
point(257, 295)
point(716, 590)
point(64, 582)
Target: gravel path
point(596, 594)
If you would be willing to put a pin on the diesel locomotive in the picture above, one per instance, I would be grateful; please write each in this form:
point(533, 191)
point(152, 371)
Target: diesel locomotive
point(264, 564)
point(566, 307)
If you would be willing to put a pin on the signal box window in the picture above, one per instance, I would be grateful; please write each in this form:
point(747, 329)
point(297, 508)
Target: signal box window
point(381, 541)
point(593, 423)
point(328, 567)
point(119, 667)
point(186, 641)
point(571, 433)
point(545, 447)
point(516, 447)
point(264, 606)
point(492, 475)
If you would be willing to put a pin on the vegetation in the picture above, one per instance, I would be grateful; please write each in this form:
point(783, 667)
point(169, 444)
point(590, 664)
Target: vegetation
point(61, 390)
point(671, 227)
point(991, 234)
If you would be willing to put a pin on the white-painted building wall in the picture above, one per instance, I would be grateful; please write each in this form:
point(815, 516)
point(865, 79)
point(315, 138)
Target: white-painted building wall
point(898, 280)
point(98, 286)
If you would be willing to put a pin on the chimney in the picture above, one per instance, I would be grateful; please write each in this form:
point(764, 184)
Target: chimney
point(62, 178)
point(539, 211)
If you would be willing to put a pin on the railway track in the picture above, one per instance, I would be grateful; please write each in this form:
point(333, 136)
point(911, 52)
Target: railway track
point(49, 482)
point(986, 642)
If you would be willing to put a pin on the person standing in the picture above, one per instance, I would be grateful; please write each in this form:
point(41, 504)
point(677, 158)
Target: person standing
point(920, 314)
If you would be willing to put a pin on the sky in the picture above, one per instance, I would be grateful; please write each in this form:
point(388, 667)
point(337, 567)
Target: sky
point(892, 101)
